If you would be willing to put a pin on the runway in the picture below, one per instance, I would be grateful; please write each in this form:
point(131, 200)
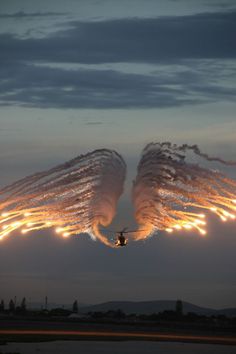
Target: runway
point(34, 335)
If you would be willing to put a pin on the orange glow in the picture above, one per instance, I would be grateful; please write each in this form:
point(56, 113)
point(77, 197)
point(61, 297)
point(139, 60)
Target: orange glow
point(169, 194)
point(169, 191)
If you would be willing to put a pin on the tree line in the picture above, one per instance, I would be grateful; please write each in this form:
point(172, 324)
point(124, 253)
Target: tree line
point(12, 306)
point(22, 308)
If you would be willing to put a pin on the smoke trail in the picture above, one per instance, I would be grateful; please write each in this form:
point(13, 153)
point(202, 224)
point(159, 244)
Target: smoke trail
point(169, 191)
point(74, 197)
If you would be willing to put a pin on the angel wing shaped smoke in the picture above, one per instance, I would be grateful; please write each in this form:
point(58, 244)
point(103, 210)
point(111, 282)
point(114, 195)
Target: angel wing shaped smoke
point(74, 197)
point(170, 193)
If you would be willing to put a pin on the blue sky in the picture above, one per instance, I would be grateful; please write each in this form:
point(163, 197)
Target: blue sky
point(81, 75)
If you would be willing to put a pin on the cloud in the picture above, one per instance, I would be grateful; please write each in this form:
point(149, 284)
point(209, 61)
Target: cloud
point(207, 35)
point(22, 14)
point(45, 87)
point(223, 4)
point(199, 45)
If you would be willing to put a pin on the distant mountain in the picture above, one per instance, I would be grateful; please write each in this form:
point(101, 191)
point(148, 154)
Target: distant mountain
point(139, 307)
point(149, 307)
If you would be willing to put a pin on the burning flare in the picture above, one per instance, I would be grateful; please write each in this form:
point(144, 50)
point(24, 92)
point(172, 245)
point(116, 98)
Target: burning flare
point(75, 197)
point(171, 194)
point(80, 195)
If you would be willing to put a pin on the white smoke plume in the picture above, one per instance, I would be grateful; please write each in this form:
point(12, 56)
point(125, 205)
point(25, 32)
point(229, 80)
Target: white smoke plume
point(75, 197)
point(170, 193)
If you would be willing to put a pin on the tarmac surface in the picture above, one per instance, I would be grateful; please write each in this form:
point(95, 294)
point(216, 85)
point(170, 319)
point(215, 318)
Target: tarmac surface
point(49, 334)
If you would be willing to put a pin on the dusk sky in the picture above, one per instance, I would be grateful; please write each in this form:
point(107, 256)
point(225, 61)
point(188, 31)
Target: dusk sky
point(81, 75)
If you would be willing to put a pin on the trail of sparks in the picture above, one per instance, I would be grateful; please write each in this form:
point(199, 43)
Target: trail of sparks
point(81, 195)
point(171, 194)
point(75, 197)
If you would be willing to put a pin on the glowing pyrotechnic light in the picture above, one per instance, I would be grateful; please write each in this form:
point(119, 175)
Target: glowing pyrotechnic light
point(177, 227)
point(213, 209)
point(29, 224)
point(169, 193)
point(225, 213)
point(73, 197)
point(199, 222)
point(24, 231)
point(169, 190)
point(3, 235)
point(6, 233)
point(58, 230)
point(15, 224)
point(188, 227)
point(169, 230)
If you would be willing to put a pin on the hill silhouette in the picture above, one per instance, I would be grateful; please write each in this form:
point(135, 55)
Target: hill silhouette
point(149, 307)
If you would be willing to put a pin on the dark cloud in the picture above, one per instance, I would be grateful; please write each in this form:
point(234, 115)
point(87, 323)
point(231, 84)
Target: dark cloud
point(38, 86)
point(203, 40)
point(22, 14)
point(221, 4)
point(207, 35)
point(45, 87)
